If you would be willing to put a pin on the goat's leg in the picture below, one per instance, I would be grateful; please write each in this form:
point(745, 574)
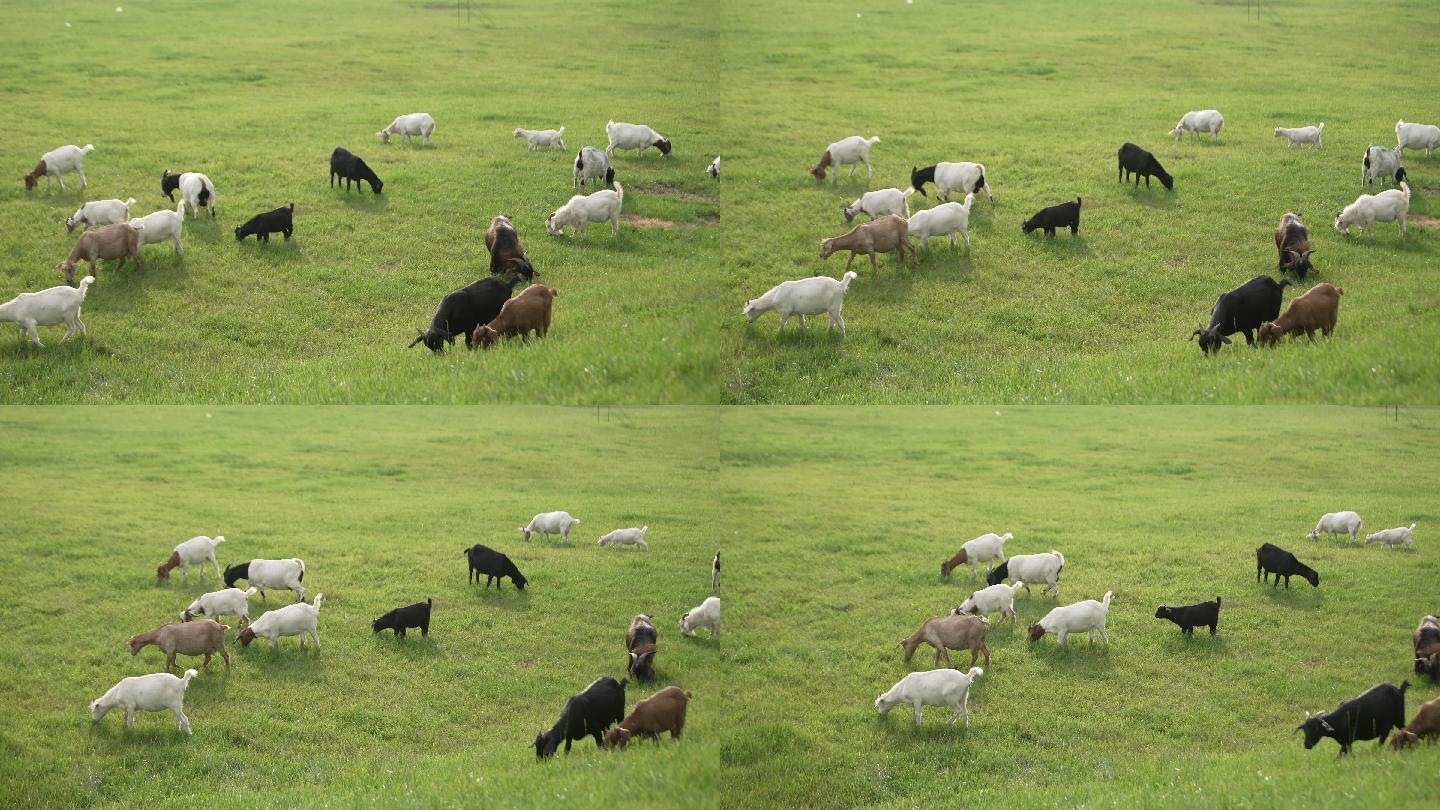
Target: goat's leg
point(316, 636)
point(81, 172)
point(206, 664)
point(182, 722)
point(130, 717)
point(59, 179)
point(867, 167)
point(873, 266)
point(28, 327)
point(169, 660)
point(784, 317)
point(915, 707)
point(69, 327)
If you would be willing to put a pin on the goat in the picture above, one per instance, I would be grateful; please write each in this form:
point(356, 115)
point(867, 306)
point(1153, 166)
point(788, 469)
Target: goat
point(1198, 121)
point(875, 204)
point(1399, 536)
point(1416, 136)
point(195, 551)
point(1318, 308)
point(495, 566)
point(1292, 239)
point(806, 296)
point(413, 124)
point(600, 206)
point(502, 242)
point(47, 307)
point(945, 219)
point(707, 615)
point(876, 236)
point(986, 548)
point(205, 637)
point(661, 712)
point(542, 138)
point(349, 167)
point(196, 191)
point(851, 151)
point(56, 162)
point(1032, 569)
point(1425, 726)
point(120, 241)
point(1370, 716)
point(285, 574)
point(952, 632)
point(1390, 205)
point(1242, 309)
point(99, 212)
point(1271, 559)
point(588, 714)
point(592, 164)
point(626, 537)
point(962, 176)
point(714, 169)
point(640, 639)
point(262, 225)
point(525, 313)
point(1302, 135)
point(1380, 162)
point(715, 574)
point(159, 226)
point(548, 523)
point(461, 311)
point(938, 687)
point(1192, 616)
point(148, 693)
point(991, 599)
point(1427, 636)
point(1134, 160)
point(416, 615)
point(213, 605)
point(298, 619)
point(1064, 215)
point(635, 136)
point(1086, 616)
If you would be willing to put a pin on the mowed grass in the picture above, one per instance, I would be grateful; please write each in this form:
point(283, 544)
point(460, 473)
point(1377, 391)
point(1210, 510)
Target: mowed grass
point(1043, 94)
point(257, 95)
point(850, 514)
point(379, 503)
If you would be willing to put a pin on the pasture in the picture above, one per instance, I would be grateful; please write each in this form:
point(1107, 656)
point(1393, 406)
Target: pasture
point(371, 499)
point(850, 514)
point(257, 95)
point(1043, 94)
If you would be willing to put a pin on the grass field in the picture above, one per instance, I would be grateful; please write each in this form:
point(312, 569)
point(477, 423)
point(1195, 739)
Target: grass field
point(1043, 93)
point(851, 513)
point(376, 504)
point(257, 95)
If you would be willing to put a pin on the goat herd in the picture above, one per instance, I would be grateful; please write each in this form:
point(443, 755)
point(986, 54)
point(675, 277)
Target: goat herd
point(1252, 308)
point(592, 712)
point(1372, 715)
point(482, 312)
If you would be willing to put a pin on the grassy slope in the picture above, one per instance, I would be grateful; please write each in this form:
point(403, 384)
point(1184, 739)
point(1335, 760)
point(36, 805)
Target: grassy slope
point(379, 502)
point(851, 515)
point(257, 95)
point(1043, 94)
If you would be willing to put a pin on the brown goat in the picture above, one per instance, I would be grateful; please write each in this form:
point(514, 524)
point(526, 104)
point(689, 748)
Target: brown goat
point(953, 632)
point(1425, 726)
point(661, 712)
point(640, 638)
point(818, 171)
point(525, 313)
point(118, 241)
point(1292, 239)
point(1317, 309)
point(506, 253)
point(881, 235)
point(1427, 637)
point(205, 637)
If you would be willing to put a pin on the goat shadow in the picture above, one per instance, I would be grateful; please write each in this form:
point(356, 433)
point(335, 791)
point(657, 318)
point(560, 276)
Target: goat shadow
point(413, 646)
point(1148, 197)
point(702, 637)
point(1077, 658)
point(1294, 599)
point(509, 599)
point(1067, 245)
point(288, 658)
point(1200, 645)
point(152, 730)
point(278, 251)
point(366, 201)
point(900, 727)
point(204, 228)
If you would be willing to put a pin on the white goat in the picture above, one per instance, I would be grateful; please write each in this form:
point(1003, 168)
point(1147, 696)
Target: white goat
point(1333, 523)
point(298, 619)
point(1399, 536)
point(851, 151)
point(281, 574)
point(707, 615)
point(879, 203)
point(147, 693)
point(1032, 569)
point(99, 212)
point(714, 170)
point(634, 136)
point(1381, 161)
point(60, 161)
point(413, 124)
point(937, 687)
point(1082, 617)
point(591, 164)
point(1302, 135)
point(582, 210)
point(963, 176)
point(159, 226)
point(806, 296)
point(1198, 121)
point(542, 138)
point(46, 308)
point(548, 523)
point(1390, 205)
point(198, 192)
point(994, 599)
point(986, 548)
point(213, 605)
point(945, 219)
point(1417, 136)
point(626, 537)
point(195, 551)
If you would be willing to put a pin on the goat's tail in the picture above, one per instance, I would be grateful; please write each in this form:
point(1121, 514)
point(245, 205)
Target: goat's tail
point(1217, 601)
point(1105, 601)
point(644, 529)
point(292, 207)
point(318, 597)
point(1284, 282)
point(975, 672)
point(89, 147)
point(219, 538)
point(129, 202)
point(1322, 125)
point(846, 279)
point(1412, 526)
point(250, 591)
point(190, 673)
point(1340, 290)
point(1017, 585)
point(299, 562)
point(1006, 537)
point(872, 141)
point(1061, 556)
point(85, 284)
point(562, 130)
point(1079, 201)
point(1405, 684)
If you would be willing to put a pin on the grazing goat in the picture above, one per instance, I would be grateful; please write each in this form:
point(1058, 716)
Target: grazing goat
point(1390, 205)
point(120, 241)
point(416, 615)
point(196, 191)
point(945, 219)
point(992, 599)
point(1399, 536)
point(1031, 569)
point(205, 637)
point(159, 226)
point(460, 312)
point(494, 566)
point(876, 204)
point(851, 151)
point(626, 537)
point(635, 136)
point(213, 605)
point(1302, 135)
point(1192, 616)
point(525, 313)
point(714, 169)
point(963, 176)
point(1427, 636)
point(1425, 726)
point(502, 241)
point(1242, 309)
point(806, 296)
point(661, 712)
point(952, 632)
point(938, 687)
point(413, 124)
point(147, 693)
point(715, 574)
point(1198, 121)
point(590, 713)
point(1415, 136)
point(1381, 162)
point(1064, 215)
point(1429, 665)
point(1271, 559)
point(349, 167)
point(640, 638)
point(601, 206)
point(99, 212)
point(707, 615)
point(1134, 160)
point(262, 225)
point(47, 307)
point(195, 551)
point(548, 523)
point(876, 236)
point(283, 574)
point(542, 138)
point(592, 164)
point(1318, 308)
point(1370, 716)
point(1292, 239)
point(298, 619)
point(986, 548)
point(60, 161)
point(1086, 616)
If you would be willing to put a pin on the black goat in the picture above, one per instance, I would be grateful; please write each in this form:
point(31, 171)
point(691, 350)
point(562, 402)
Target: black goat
point(262, 225)
point(1064, 215)
point(463, 310)
point(494, 565)
point(1271, 559)
point(589, 713)
point(1369, 717)
point(1192, 616)
point(1134, 159)
point(416, 615)
point(348, 167)
point(1242, 309)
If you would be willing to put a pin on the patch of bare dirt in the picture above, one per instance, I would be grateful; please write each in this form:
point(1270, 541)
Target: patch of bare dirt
point(1314, 662)
point(663, 190)
point(1421, 219)
point(646, 222)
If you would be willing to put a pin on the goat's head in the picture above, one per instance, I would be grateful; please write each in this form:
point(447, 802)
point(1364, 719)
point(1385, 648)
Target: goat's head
point(1299, 262)
point(168, 184)
point(849, 213)
point(162, 571)
point(999, 574)
point(819, 169)
point(663, 145)
point(246, 636)
point(617, 737)
point(545, 744)
point(552, 227)
point(433, 338)
point(951, 564)
point(1315, 728)
point(32, 180)
point(1403, 738)
point(385, 135)
point(752, 310)
point(136, 643)
point(1162, 612)
point(827, 246)
point(235, 573)
point(1341, 226)
point(1210, 340)
point(1035, 632)
point(1269, 333)
point(485, 337)
point(68, 268)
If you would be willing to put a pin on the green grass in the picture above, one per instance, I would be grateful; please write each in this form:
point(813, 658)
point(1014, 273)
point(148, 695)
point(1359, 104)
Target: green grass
point(256, 95)
point(1043, 93)
point(850, 514)
point(379, 502)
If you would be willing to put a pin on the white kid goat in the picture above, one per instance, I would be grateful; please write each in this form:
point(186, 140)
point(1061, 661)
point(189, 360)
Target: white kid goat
point(806, 296)
point(47, 307)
